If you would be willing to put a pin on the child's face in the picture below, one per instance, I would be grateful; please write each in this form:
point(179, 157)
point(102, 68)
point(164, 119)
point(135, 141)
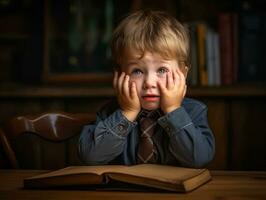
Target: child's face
point(146, 72)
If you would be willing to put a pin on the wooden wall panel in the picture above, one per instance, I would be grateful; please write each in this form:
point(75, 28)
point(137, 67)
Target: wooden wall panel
point(48, 105)
point(218, 113)
point(248, 134)
point(85, 104)
point(12, 107)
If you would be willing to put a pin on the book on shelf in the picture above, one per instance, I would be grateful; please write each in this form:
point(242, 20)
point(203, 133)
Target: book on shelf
point(201, 46)
point(204, 55)
point(252, 52)
point(169, 178)
point(213, 58)
point(251, 32)
point(228, 32)
point(193, 75)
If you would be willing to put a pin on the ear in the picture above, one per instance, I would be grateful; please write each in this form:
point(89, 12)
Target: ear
point(185, 71)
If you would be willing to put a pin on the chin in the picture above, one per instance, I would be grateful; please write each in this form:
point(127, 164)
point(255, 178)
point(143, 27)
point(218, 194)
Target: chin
point(150, 106)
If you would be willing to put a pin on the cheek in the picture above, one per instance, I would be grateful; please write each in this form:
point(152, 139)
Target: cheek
point(138, 84)
point(162, 80)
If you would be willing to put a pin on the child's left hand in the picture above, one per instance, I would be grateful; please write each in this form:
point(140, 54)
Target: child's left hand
point(173, 91)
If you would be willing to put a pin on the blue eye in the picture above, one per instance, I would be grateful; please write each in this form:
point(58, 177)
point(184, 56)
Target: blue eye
point(162, 70)
point(136, 72)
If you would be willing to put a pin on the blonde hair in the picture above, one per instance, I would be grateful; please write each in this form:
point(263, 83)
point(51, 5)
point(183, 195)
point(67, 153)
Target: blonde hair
point(153, 31)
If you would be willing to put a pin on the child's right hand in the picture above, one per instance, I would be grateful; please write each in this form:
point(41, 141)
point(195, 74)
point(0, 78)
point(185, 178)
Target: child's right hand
point(127, 96)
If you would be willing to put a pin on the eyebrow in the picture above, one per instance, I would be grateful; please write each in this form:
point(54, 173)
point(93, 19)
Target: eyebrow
point(138, 62)
point(131, 63)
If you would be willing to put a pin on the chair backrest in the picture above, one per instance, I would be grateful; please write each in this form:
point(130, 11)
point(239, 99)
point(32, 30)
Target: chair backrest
point(44, 141)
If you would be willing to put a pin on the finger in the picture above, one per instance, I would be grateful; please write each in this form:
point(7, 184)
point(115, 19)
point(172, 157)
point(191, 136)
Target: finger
point(115, 82)
point(133, 90)
point(178, 78)
point(174, 76)
point(169, 80)
point(185, 91)
point(162, 87)
point(182, 82)
point(120, 82)
point(115, 79)
point(180, 75)
point(125, 86)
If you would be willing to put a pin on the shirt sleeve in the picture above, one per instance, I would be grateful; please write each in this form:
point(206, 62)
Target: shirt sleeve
point(104, 140)
point(191, 140)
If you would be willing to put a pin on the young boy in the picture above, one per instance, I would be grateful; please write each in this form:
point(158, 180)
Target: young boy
point(151, 121)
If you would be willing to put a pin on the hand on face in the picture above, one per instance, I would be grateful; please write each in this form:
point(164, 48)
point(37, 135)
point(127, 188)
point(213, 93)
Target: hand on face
point(173, 91)
point(126, 93)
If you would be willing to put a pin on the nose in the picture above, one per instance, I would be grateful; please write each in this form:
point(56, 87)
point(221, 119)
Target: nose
point(149, 81)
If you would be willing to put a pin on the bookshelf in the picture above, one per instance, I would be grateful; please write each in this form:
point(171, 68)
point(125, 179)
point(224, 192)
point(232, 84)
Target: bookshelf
point(31, 30)
point(20, 41)
point(62, 91)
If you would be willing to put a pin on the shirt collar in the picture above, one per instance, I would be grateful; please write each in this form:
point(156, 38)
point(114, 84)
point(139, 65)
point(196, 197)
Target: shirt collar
point(155, 114)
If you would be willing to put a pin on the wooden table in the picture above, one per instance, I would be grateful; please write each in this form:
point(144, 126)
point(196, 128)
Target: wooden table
point(225, 185)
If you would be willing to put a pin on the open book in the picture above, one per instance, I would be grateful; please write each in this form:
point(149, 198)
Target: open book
point(163, 177)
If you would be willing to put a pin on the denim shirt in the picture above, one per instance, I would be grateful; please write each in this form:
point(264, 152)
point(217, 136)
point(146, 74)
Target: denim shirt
point(183, 137)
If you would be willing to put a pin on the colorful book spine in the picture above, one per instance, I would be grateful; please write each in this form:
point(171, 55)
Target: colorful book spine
point(201, 42)
point(226, 48)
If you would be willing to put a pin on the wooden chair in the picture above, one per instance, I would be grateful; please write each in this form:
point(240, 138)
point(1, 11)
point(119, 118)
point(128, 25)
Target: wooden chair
point(44, 141)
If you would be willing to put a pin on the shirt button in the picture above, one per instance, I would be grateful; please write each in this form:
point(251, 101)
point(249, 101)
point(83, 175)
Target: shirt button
point(164, 120)
point(121, 127)
point(167, 129)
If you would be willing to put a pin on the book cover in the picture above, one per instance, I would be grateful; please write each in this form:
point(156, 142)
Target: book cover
point(213, 58)
point(217, 59)
point(193, 71)
point(226, 47)
point(201, 45)
point(252, 50)
point(251, 33)
point(169, 178)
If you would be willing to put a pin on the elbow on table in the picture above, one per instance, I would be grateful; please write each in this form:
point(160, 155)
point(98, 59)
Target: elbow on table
point(89, 158)
point(202, 160)
point(198, 160)
point(86, 156)
point(199, 164)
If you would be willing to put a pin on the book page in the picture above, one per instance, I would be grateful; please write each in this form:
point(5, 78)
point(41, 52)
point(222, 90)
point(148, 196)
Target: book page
point(72, 170)
point(162, 173)
point(74, 175)
point(163, 177)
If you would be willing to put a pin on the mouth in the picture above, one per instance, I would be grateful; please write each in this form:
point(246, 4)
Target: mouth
point(151, 98)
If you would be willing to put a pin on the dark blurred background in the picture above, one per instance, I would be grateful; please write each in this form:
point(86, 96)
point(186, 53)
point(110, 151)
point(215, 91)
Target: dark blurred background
point(54, 56)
